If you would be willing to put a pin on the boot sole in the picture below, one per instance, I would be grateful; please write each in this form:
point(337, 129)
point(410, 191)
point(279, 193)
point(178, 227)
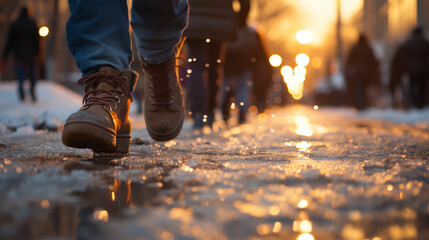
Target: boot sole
point(168, 136)
point(98, 138)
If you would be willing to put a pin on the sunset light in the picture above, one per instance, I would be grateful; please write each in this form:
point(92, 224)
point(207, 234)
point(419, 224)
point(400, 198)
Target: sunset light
point(304, 36)
point(275, 60)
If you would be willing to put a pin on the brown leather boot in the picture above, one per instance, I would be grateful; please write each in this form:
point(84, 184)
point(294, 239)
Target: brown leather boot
point(164, 107)
point(102, 123)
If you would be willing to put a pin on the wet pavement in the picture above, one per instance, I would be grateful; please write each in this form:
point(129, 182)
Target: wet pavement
point(292, 173)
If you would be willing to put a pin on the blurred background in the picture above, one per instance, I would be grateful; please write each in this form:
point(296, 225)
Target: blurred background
point(308, 41)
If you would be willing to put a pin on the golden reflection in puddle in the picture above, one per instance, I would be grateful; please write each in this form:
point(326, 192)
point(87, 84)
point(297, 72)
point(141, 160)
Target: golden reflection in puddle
point(277, 227)
point(274, 210)
point(113, 196)
point(101, 215)
point(263, 229)
point(182, 214)
point(303, 203)
point(166, 236)
point(303, 146)
point(352, 232)
point(304, 226)
point(389, 187)
point(305, 236)
point(251, 209)
point(303, 126)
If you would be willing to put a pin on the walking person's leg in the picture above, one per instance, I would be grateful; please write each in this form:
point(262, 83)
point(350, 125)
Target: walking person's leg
point(243, 93)
point(19, 69)
point(198, 90)
point(226, 96)
point(32, 77)
point(214, 60)
point(98, 37)
point(158, 27)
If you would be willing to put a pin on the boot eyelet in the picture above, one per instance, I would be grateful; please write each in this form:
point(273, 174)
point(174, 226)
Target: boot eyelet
point(118, 99)
point(122, 94)
point(125, 78)
point(171, 103)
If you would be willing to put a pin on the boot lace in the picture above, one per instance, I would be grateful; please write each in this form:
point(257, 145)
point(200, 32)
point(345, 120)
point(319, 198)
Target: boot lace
point(161, 77)
point(91, 82)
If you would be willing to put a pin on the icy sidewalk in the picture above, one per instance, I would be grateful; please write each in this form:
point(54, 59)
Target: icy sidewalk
point(292, 173)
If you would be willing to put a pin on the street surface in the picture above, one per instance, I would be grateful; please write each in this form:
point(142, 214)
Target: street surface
point(293, 173)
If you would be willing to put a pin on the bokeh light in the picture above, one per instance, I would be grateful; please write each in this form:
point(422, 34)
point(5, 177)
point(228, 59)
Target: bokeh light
point(304, 36)
point(44, 31)
point(275, 60)
point(302, 59)
point(286, 71)
point(316, 62)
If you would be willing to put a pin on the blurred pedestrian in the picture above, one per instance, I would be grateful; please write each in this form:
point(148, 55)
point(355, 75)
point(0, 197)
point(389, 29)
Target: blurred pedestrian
point(413, 58)
point(262, 73)
point(397, 69)
point(211, 25)
point(98, 36)
point(237, 81)
point(361, 71)
point(23, 41)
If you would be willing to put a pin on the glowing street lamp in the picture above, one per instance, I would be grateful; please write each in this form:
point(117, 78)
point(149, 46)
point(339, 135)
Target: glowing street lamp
point(304, 36)
point(44, 31)
point(275, 60)
point(286, 71)
point(302, 59)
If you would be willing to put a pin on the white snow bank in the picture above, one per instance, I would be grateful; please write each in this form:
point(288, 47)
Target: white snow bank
point(54, 105)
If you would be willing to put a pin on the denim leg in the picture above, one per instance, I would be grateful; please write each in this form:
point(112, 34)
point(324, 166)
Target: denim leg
point(158, 27)
point(20, 72)
point(243, 89)
point(97, 34)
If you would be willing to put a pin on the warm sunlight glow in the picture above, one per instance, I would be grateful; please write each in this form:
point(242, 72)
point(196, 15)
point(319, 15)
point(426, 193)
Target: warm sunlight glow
point(305, 236)
point(286, 71)
point(302, 59)
point(303, 203)
point(275, 60)
point(44, 31)
point(316, 62)
point(304, 36)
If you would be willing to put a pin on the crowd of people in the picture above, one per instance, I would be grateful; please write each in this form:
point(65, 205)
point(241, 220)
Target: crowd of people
point(409, 72)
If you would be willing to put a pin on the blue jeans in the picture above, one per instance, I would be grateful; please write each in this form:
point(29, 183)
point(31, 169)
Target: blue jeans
point(240, 87)
point(97, 31)
point(25, 69)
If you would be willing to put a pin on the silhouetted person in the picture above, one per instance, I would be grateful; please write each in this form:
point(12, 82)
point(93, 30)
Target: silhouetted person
point(211, 25)
point(261, 73)
point(397, 69)
point(361, 67)
point(237, 79)
point(416, 66)
point(23, 40)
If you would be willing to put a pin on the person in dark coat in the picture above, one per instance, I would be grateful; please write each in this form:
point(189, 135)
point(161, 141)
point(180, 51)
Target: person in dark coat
point(416, 66)
point(211, 25)
point(23, 41)
point(361, 68)
point(262, 74)
point(237, 79)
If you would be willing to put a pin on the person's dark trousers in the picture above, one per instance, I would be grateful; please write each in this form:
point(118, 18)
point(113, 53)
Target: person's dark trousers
point(203, 86)
point(418, 89)
point(25, 70)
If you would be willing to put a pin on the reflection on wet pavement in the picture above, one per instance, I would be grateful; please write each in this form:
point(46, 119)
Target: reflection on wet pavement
point(290, 174)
